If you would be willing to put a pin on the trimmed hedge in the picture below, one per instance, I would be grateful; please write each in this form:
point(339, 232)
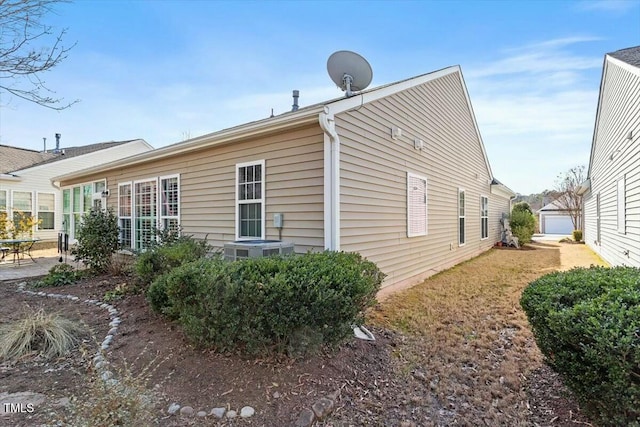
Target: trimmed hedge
point(286, 305)
point(162, 258)
point(587, 324)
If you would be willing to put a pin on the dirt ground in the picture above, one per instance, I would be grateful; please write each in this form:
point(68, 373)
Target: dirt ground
point(464, 356)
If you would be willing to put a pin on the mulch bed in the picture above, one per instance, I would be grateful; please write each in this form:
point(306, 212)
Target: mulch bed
point(377, 386)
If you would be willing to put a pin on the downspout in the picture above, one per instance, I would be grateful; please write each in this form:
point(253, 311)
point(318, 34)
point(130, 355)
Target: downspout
point(331, 180)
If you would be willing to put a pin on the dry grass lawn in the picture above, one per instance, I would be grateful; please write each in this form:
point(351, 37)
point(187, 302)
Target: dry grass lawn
point(470, 337)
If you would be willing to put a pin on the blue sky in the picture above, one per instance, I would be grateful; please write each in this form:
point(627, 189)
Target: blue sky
point(167, 70)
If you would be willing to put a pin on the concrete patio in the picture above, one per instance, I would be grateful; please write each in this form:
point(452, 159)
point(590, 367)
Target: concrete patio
point(44, 260)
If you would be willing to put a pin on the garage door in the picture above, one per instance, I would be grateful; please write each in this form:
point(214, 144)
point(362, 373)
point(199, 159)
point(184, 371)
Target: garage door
point(557, 224)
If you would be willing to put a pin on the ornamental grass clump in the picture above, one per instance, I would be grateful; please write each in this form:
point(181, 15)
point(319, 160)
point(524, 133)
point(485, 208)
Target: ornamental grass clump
point(49, 335)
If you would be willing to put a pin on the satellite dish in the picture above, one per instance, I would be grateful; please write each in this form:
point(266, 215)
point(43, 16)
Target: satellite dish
point(350, 71)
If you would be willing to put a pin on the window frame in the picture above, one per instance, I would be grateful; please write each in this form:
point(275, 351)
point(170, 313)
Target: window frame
point(79, 208)
point(484, 217)
point(53, 211)
point(462, 218)
point(134, 213)
point(13, 202)
point(125, 217)
point(261, 201)
point(162, 218)
point(411, 233)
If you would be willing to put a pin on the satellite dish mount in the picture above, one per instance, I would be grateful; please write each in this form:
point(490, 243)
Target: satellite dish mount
point(349, 71)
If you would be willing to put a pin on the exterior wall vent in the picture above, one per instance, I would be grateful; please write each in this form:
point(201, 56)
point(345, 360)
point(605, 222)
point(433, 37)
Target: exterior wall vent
point(241, 249)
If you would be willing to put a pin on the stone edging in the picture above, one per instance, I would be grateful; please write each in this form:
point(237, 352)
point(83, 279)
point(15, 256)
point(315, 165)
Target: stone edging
point(101, 364)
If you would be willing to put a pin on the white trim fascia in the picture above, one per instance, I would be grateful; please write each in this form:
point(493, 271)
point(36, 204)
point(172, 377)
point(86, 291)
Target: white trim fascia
point(597, 121)
point(65, 160)
point(624, 65)
point(248, 130)
point(273, 124)
point(358, 99)
point(263, 199)
point(331, 180)
point(9, 177)
point(475, 123)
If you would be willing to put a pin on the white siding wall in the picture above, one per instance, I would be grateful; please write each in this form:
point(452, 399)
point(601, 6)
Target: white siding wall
point(373, 182)
point(38, 178)
point(619, 114)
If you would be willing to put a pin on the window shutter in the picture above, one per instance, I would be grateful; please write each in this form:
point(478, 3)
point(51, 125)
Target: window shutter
point(416, 205)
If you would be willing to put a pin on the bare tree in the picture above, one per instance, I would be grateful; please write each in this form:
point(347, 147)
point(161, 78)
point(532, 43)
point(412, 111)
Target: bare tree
point(29, 48)
point(567, 196)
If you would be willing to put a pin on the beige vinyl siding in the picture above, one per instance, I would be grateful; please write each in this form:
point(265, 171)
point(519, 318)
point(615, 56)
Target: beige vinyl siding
point(294, 186)
point(618, 114)
point(373, 181)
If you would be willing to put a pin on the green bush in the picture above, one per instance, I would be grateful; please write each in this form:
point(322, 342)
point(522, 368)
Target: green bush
point(587, 324)
point(292, 304)
point(522, 207)
point(522, 224)
point(97, 239)
point(161, 258)
point(59, 275)
point(577, 235)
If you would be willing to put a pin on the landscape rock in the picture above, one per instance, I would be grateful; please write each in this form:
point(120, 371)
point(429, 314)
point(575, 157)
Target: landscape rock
point(232, 414)
point(202, 414)
point(247, 412)
point(187, 411)
point(322, 407)
point(305, 419)
point(173, 408)
point(218, 412)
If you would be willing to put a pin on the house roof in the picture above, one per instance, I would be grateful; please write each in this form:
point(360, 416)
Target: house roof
point(553, 206)
point(15, 158)
point(631, 58)
point(630, 55)
point(302, 116)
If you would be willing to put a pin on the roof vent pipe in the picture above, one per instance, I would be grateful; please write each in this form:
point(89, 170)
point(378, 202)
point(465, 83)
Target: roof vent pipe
point(296, 95)
point(44, 139)
point(58, 142)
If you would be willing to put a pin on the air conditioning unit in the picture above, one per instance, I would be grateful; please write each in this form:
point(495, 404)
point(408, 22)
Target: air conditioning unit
point(241, 249)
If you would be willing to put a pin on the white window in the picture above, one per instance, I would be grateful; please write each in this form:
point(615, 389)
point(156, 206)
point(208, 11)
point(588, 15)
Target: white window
point(622, 215)
point(46, 211)
point(169, 203)
point(250, 200)
point(484, 217)
point(461, 217)
point(22, 205)
point(124, 215)
point(77, 201)
point(416, 205)
point(145, 211)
